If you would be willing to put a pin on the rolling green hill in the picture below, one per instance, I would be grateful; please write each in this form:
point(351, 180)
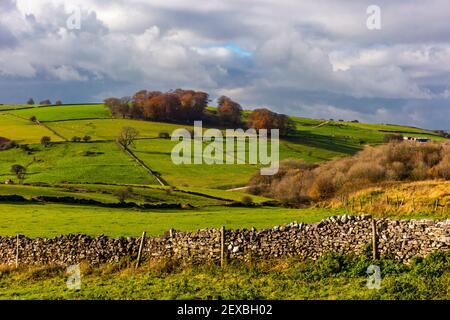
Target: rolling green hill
point(97, 169)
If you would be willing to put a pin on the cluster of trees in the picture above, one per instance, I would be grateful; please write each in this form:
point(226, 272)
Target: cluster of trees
point(44, 102)
point(298, 183)
point(266, 119)
point(85, 138)
point(185, 106)
point(176, 106)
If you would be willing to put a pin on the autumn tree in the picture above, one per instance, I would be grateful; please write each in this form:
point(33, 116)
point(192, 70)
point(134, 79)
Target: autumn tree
point(118, 107)
point(192, 104)
point(163, 107)
point(179, 105)
point(266, 119)
point(229, 111)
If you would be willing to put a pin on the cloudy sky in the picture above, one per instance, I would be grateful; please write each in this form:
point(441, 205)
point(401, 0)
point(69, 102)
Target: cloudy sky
point(313, 58)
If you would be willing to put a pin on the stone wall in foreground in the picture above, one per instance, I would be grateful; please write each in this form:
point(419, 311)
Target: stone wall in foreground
point(345, 234)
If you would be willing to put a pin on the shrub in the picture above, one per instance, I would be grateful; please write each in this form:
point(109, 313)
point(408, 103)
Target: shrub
point(367, 171)
point(46, 141)
point(297, 182)
point(45, 102)
point(75, 139)
point(164, 135)
point(33, 118)
point(19, 171)
point(247, 200)
point(391, 137)
point(6, 144)
point(123, 194)
point(443, 169)
point(87, 138)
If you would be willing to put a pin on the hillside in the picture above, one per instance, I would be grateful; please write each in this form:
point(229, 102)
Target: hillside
point(408, 200)
point(314, 141)
point(82, 179)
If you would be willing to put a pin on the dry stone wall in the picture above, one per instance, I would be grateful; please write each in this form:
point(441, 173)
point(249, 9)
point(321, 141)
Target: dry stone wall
point(345, 234)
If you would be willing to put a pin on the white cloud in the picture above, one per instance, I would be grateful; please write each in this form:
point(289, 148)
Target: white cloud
point(319, 52)
point(67, 73)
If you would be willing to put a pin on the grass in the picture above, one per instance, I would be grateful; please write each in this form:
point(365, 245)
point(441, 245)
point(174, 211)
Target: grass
point(229, 195)
point(48, 220)
point(406, 200)
point(105, 194)
point(109, 129)
point(315, 141)
point(22, 130)
point(65, 112)
point(76, 162)
point(333, 277)
point(7, 107)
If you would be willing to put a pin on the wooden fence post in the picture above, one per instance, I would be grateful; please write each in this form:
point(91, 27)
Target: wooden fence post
point(141, 246)
point(17, 250)
point(374, 240)
point(222, 246)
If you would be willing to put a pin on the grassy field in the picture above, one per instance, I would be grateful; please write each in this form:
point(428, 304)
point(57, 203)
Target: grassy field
point(22, 130)
point(75, 162)
point(65, 112)
point(331, 277)
point(49, 220)
point(109, 129)
point(66, 165)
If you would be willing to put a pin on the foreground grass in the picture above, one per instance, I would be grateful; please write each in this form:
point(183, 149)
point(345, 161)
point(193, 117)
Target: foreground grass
point(49, 220)
point(331, 277)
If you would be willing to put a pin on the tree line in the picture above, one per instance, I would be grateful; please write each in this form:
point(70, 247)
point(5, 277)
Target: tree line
point(185, 106)
point(46, 102)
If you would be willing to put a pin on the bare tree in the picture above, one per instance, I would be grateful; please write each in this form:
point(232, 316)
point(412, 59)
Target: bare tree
point(123, 194)
point(19, 171)
point(127, 136)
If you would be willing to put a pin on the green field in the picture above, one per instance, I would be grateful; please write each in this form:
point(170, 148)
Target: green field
point(65, 112)
point(96, 170)
point(22, 130)
point(49, 220)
